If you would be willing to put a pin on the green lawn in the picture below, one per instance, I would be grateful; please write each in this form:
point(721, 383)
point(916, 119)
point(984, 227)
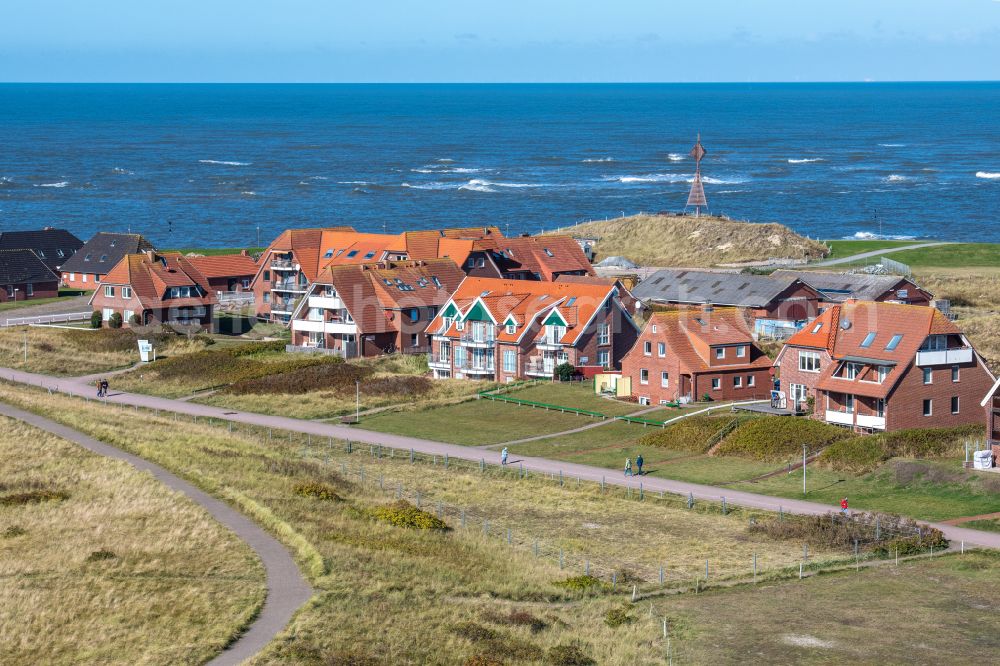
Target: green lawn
point(474, 423)
point(988, 525)
point(579, 395)
point(845, 248)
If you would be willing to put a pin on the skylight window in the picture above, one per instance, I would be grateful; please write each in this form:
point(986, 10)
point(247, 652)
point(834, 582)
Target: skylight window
point(352, 253)
point(87, 258)
point(548, 252)
point(104, 258)
point(817, 327)
point(571, 301)
point(436, 281)
point(894, 342)
point(369, 255)
point(328, 254)
point(485, 293)
point(869, 339)
point(114, 241)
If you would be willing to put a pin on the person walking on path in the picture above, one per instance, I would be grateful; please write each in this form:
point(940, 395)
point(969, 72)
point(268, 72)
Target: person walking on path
point(104, 388)
point(503, 456)
point(843, 506)
point(628, 467)
point(638, 464)
point(100, 388)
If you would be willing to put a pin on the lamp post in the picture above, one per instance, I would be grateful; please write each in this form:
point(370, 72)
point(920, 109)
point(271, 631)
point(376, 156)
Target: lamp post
point(803, 469)
point(357, 399)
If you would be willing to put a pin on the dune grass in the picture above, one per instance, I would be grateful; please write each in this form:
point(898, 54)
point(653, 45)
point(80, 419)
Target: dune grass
point(669, 240)
point(68, 352)
point(120, 571)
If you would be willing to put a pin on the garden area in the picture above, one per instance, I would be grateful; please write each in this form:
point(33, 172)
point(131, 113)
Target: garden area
point(99, 564)
point(484, 567)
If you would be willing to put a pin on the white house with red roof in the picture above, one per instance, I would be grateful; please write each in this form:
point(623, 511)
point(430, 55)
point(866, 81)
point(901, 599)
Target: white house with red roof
point(516, 329)
point(878, 366)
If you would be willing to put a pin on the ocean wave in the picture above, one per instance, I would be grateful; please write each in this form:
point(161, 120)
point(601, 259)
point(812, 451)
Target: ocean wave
point(477, 186)
point(896, 178)
point(444, 159)
point(433, 169)
point(989, 175)
point(893, 145)
point(868, 235)
point(62, 183)
point(430, 186)
point(353, 182)
point(673, 178)
point(596, 160)
point(675, 157)
point(122, 172)
point(6, 179)
point(248, 193)
point(805, 160)
point(317, 178)
point(225, 162)
point(732, 191)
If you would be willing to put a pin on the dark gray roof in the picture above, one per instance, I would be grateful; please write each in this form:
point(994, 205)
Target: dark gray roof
point(616, 262)
point(23, 266)
point(696, 287)
point(841, 286)
point(103, 251)
point(53, 246)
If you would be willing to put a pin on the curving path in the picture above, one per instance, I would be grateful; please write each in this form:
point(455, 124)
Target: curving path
point(76, 387)
point(876, 253)
point(287, 590)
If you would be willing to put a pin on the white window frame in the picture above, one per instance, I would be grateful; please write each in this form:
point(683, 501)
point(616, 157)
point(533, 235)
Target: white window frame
point(643, 376)
point(109, 291)
point(661, 349)
point(604, 334)
point(127, 316)
point(647, 348)
point(126, 292)
point(664, 379)
point(956, 404)
point(751, 381)
point(956, 374)
point(741, 351)
point(604, 358)
point(511, 329)
point(29, 290)
point(850, 404)
point(809, 361)
point(106, 313)
point(928, 375)
point(737, 381)
point(720, 353)
point(716, 384)
point(509, 360)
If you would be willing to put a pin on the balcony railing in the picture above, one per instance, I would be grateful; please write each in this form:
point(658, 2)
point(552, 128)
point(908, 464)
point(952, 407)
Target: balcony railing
point(288, 285)
point(871, 421)
point(539, 369)
point(550, 342)
point(348, 351)
point(439, 361)
point(945, 356)
point(839, 417)
point(478, 339)
point(282, 264)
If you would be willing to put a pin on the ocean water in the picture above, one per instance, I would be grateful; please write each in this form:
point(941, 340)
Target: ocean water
point(218, 165)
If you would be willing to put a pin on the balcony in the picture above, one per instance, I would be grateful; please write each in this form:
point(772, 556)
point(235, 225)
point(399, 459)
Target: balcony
point(288, 285)
point(478, 369)
point(279, 264)
point(840, 418)
point(483, 340)
point(539, 369)
point(945, 356)
point(871, 421)
point(547, 342)
point(326, 302)
point(347, 351)
point(440, 362)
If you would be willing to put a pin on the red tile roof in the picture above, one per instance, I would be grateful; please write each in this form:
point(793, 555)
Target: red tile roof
point(224, 265)
point(151, 274)
point(689, 333)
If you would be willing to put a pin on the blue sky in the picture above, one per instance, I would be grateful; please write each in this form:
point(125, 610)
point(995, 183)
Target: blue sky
point(513, 40)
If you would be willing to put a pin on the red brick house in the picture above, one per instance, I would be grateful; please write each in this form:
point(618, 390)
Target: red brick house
point(839, 287)
point(373, 309)
point(991, 403)
point(24, 276)
point(100, 254)
point(157, 288)
point(227, 273)
point(685, 354)
point(875, 366)
point(778, 306)
point(516, 329)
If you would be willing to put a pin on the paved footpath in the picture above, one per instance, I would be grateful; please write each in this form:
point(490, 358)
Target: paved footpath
point(287, 590)
point(876, 253)
point(538, 465)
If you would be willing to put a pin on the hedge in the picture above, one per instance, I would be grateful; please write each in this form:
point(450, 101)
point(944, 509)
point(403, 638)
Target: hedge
point(780, 437)
point(691, 434)
point(864, 454)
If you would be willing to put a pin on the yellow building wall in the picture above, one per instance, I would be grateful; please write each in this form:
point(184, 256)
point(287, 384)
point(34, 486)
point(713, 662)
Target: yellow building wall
point(603, 382)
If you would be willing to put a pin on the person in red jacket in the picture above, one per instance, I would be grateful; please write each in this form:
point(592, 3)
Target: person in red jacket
point(843, 506)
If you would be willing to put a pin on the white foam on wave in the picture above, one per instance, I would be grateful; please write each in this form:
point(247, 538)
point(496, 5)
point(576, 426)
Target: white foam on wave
point(430, 186)
point(248, 193)
point(353, 182)
point(433, 169)
point(597, 160)
point(122, 172)
point(675, 157)
point(732, 191)
point(444, 159)
point(893, 145)
point(6, 179)
point(989, 175)
point(896, 178)
point(477, 186)
point(868, 235)
point(225, 162)
point(673, 178)
point(805, 160)
point(60, 184)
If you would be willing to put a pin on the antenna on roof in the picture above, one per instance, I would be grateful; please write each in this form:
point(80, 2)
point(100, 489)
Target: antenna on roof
point(696, 197)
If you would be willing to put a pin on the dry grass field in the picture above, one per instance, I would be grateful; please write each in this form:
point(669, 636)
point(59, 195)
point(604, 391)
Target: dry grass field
point(113, 568)
point(670, 240)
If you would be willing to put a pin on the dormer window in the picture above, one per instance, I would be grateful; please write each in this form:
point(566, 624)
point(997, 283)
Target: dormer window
point(87, 258)
point(511, 328)
point(60, 253)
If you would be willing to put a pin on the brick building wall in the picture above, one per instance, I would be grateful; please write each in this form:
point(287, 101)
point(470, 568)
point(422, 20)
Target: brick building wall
point(85, 281)
point(904, 407)
point(789, 372)
point(38, 290)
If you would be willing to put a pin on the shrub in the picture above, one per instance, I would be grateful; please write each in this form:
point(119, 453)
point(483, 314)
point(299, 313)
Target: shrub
point(779, 437)
point(474, 632)
point(134, 320)
point(403, 514)
point(565, 372)
point(580, 583)
point(95, 319)
point(13, 531)
point(115, 320)
point(616, 617)
point(518, 619)
point(568, 655)
point(855, 454)
point(33, 497)
point(864, 454)
point(690, 434)
point(837, 531)
point(483, 660)
point(101, 555)
point(317, 490)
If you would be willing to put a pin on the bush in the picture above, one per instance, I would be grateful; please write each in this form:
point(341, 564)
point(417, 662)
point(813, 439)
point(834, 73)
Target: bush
point(317, 490)
point(565, 372)
point(855, 454)
point(569, 655)
point(96, 319)
point(13, 531)
point(483, 660)
point(101, 555)
point(580, 583)
point(837, 531)
point(115, 320)
point(33, 497)
point(474, 632)
point(864, 454)
point(616, 617)
point(403, 514)
point(518, 619)
point(693, 433)
point(779, 437)
point(134, 320)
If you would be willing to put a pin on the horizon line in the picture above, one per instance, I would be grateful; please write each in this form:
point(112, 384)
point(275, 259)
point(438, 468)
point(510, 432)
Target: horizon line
point(505, 83)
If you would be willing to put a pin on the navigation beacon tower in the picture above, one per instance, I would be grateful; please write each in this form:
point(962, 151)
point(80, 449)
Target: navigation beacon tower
point(696, 197)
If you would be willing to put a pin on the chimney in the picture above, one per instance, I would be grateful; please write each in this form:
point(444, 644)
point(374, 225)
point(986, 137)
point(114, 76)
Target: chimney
point(244, 253)
point(706, 307)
